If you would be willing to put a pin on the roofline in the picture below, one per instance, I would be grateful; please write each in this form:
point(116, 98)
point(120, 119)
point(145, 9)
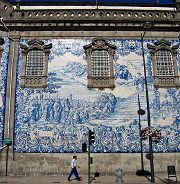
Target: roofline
point(93, 4)
point(94, 7)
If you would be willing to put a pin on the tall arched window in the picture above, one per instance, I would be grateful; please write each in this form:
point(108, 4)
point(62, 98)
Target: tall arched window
point(100, 64)
point(165, 69)
point(35, 64)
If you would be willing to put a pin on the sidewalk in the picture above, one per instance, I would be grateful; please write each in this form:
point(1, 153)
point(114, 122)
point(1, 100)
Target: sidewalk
point(128, 179)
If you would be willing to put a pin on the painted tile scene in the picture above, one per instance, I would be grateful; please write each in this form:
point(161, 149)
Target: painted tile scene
point(56, 119)
point(3, 79)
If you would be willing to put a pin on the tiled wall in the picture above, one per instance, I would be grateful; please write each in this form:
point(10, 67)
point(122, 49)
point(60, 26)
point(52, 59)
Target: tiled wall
point(3, 82)
point(55, 119)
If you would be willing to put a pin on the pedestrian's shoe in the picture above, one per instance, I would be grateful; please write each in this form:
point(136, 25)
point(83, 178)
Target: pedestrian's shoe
point(80, 179)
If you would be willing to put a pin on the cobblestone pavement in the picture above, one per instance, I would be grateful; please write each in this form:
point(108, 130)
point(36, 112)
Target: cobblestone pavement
point(128, 179)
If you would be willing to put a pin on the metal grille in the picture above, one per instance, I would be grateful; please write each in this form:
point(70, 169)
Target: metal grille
point(100, 63)
point(35, 63)
point(164, 61)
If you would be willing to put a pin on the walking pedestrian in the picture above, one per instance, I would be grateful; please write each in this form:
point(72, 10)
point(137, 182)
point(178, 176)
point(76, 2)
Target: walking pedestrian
point(74, 169)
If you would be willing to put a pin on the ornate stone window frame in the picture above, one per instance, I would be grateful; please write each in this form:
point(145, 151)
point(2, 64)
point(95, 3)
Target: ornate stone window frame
point(165, 81)
point(100, 82)
point(35, 81)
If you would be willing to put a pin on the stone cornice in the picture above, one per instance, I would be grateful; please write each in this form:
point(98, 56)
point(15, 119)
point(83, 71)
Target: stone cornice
point(5, 9)
point(91, 19)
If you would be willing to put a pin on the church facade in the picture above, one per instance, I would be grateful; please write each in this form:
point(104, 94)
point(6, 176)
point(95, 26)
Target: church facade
point(65, 70)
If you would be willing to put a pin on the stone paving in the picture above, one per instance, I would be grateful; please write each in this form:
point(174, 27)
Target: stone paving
point(128, 179)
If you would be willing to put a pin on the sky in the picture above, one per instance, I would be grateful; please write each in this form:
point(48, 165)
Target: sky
point(100, 1)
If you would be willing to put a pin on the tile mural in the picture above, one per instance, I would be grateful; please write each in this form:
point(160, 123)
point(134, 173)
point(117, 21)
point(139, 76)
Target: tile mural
point(3, 82)
point(55, 119)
